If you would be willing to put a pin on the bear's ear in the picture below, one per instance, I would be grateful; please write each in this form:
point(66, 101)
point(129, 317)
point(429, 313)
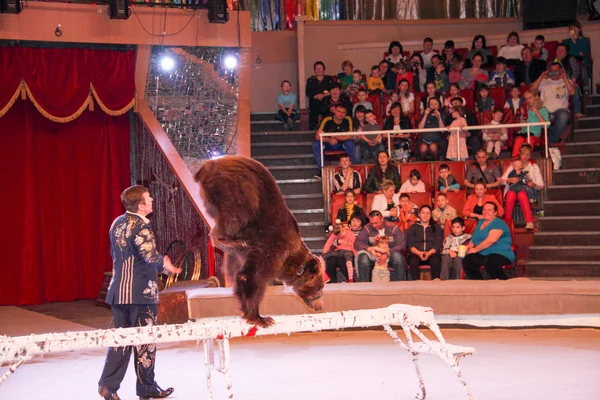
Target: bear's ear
point(314, 264)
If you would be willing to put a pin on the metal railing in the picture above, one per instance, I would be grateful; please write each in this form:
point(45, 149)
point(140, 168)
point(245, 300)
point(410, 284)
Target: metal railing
point(391, 133)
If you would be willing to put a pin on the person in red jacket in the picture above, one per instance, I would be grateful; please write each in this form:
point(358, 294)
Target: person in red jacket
point(473, 208)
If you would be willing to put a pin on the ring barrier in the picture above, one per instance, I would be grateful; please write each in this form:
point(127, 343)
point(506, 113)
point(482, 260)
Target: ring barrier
point(17, 350)
point(391, 133)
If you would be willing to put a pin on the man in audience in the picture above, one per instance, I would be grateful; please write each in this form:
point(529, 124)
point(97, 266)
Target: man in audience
point(335, 98)
point(528, 70)
point(474, 140)
point(427, 52)
point(482, 169)
point(317, 87)
point(337, 123)
point(347, 178)
point(571, 67)
point(555, 88)
point(366, 248)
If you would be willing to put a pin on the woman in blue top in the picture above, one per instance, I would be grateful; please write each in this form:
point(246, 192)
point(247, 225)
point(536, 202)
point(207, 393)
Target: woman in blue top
point(491, 246)
point(536, 112)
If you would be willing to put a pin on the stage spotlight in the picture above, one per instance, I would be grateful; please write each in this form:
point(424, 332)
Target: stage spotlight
point(10, 6)
point(230, 62)
point(167, 63)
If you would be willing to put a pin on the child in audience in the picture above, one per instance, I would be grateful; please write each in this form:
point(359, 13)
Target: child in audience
point(452, 267)
point(431, 94)
point(518, 172)
point(413, 184)
point(443, 211)
point(369, 146)
point(454, 92)
point(502, 77)
point(484, 101)
point(381, 273)
point(455, 72)
point(374, 82)
point(393, 97)
point(446, 181)
point(359, 118)
point(350, 207)
point(357, 83)
point(341, 243)
point(402, 73)
point(286, 100)
point(538, 50)
point(515, 102)
point(495, 138)
point(345, 77)
point(457, 139)
point(357, 220)
point(362, 100)
point(408, 213)
point(439, 76)
point(407, 99)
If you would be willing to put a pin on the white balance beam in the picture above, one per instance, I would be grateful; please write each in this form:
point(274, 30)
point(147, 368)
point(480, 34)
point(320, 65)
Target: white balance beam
point(16, 350)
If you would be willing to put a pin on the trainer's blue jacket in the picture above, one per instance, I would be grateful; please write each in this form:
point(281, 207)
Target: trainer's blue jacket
point(135, 261)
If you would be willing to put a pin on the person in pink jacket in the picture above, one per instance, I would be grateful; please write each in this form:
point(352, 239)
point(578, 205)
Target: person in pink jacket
point(339, 252)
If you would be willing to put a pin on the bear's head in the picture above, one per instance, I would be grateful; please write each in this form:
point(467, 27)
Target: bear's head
point(309, 283)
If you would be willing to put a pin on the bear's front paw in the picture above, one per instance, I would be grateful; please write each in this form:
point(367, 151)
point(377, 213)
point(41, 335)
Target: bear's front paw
point(263, 322)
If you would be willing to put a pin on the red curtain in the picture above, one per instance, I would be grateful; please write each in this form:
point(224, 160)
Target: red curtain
point(60, 182)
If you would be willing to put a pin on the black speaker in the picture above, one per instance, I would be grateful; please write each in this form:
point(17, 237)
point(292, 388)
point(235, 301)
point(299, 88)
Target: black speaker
point(541, 14)
point(217, 11)
point(118, 9)
point(10, 6)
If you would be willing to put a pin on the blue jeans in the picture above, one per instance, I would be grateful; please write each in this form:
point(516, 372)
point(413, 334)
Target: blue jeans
point(561, 120)
point(362, 148)
point(576, 99)
point(365, 265)
point(347, 145)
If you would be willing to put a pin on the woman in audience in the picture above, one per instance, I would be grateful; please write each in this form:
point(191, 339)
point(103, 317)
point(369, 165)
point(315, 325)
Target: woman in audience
point(339, 253)
point(386, 202)
point(430, 90)
point(419, 73)
point(455, 73)
point(432, 144)
point(395, 53)
point(479, 46)
point(359, 117)
point(536, 112)
point(476, 74)
point(407, 99)
point(382, 169)
point(401, 142)
point(491, 246)
point(424, 245)
point(512, 51)
point(473, 208)
point(452, 93)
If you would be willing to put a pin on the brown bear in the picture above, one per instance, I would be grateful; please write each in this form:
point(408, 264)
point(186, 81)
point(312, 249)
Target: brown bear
point(259, 235)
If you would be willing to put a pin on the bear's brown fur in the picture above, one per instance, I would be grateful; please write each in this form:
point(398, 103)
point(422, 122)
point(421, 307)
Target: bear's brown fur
point(258, 234)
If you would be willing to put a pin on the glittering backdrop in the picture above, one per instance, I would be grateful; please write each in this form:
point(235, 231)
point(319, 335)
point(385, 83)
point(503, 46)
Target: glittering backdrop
point(174, 216)
point(195, 100)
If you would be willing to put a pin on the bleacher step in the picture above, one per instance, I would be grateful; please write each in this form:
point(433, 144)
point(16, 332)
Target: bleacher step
point(309, 215)
point(590, 160)
point(564, 253)
point(581, 147)
point(567, 238)
point(572, 207)
point(592, 110)
point(569, 223)
point(588, 122)
point(311, 229)
point(269, 126)
point(291, 148)
point(286, 159)
point(292, 171)
point(288, 187)
point(562, 268)
point(576, 176)
point(574, 192)
point(595, 99)
point(586, 135)
point(300, 201)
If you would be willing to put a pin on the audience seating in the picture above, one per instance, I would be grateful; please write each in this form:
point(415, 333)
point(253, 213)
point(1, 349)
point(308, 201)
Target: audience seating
point(337, 202)
point(423, 168)
point(470, 225)
point(420, 199)
point(369, 202)
point(499, 96)
point(457, 169)
point(494, 50)
point(551, 47)
point(462, 52)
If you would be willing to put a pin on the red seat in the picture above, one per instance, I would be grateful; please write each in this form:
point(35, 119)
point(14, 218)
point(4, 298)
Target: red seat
point(499, 96)
point(375, 100)
point(457, 169)
point(505, 165)
point(497, 193)
point(470, 225)
point(469, 95)
point(456, 199)
point(420, 199)
point(369, 202)
point(462, 52)
point(494, 50)
point(423, 168)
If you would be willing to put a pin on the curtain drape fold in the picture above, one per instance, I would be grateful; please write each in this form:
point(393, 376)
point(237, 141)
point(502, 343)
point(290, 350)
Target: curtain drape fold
point(62, 82)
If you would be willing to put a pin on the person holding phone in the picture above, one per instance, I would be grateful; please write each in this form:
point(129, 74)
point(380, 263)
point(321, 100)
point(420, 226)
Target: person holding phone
point(555, 89)
point(432, 144)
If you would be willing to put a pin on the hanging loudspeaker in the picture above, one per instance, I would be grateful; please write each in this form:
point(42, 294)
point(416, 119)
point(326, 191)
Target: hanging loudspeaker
point(217, 11)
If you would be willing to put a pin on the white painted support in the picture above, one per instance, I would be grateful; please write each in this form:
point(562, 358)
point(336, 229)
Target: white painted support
point(17, 350)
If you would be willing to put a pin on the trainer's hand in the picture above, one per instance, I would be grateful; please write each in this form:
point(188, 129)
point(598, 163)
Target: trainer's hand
point(168, 265)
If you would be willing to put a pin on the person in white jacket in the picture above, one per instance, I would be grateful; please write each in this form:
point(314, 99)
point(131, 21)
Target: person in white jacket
point(387, 201)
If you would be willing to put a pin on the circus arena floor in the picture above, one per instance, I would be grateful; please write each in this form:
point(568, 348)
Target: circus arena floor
point(509, 364)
